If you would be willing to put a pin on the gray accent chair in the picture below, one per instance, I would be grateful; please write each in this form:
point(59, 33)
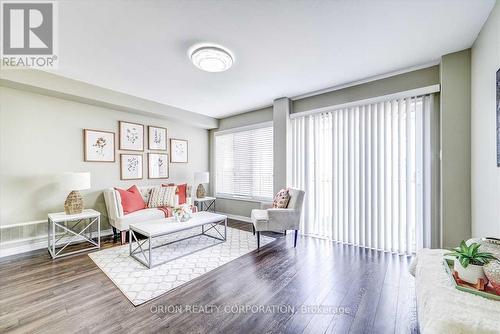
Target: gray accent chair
point(268, 218)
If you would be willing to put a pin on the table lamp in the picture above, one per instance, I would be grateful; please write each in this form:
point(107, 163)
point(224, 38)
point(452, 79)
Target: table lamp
point(200, 178)
point(75, 182)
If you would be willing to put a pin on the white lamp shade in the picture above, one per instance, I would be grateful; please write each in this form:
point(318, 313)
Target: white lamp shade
point(76, 181)
point(201, 177)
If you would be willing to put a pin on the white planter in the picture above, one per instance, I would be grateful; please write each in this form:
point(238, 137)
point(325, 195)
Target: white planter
point(471, 274)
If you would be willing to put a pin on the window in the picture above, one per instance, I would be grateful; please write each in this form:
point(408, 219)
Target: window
point(366, 172)
point(244, 163)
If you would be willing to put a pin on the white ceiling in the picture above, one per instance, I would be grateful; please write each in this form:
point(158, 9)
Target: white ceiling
point(282, 48)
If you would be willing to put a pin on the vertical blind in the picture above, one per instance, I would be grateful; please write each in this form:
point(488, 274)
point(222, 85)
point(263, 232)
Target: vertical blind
point(244, 164)
point(364, 171)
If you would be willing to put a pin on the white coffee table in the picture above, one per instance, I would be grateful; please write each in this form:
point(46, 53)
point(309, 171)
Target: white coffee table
point(160, 227)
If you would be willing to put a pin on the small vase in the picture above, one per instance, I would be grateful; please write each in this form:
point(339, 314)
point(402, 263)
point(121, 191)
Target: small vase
point(471, 274)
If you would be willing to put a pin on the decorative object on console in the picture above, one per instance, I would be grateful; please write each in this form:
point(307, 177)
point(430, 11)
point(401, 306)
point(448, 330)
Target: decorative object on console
point(130, 166)
point(99, 146)
point(162, 196)
point(281, 199)
point(131, 136)
point(178, 150)
point(469, 262)
point(131, 199)
point(492, 269)
point(157, 138)
point(201, 178)
point(157, 165)
point(75, 182)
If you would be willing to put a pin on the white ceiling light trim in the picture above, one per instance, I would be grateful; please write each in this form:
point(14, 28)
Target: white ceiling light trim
point(211, 57)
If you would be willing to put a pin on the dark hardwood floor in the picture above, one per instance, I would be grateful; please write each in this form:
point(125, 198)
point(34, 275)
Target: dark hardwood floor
point(360, 290)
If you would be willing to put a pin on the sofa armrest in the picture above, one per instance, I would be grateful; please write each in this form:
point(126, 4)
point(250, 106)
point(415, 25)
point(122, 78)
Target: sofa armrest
point(113, 204)
point(266, 205)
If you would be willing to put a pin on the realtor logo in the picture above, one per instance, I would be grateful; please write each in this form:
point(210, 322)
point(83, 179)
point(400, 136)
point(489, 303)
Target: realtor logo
point(28, 31)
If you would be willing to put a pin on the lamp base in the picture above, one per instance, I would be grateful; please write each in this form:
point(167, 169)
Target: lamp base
point(74, 203)
point(200, 191)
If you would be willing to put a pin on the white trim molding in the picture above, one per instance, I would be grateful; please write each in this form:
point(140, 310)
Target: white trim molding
point(244, 128)
point(236, 217)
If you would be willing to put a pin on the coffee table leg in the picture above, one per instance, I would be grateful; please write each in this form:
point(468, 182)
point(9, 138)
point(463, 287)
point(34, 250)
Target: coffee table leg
point(225, 229)
point(150, 257)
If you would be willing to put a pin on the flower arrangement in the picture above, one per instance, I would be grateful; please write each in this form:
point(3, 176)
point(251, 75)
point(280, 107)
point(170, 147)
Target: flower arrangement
point(182, 213)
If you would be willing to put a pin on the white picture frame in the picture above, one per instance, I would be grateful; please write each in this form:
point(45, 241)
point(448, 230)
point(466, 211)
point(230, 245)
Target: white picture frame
point(98, 146)
point(131, 166)
point(131, 136)
point(157, 138)
point(158, 166)
point(178, 150)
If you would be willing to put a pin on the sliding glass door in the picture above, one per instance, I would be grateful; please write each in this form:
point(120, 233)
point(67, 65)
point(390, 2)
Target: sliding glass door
point(366, 171)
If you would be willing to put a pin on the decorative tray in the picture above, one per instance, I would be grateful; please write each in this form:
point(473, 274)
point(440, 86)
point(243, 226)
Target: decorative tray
point(488, 291)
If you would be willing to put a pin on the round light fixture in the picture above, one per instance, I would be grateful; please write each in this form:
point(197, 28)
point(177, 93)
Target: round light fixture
point(211, 58)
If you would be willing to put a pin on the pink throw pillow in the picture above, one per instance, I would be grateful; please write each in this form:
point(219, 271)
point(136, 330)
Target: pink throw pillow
point(131, 199)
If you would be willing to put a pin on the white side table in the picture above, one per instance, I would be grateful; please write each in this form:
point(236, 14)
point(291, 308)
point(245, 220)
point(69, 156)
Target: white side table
point(63, 230)
point(205, 204)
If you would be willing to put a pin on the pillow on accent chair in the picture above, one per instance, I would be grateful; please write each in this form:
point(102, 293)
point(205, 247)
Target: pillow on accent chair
point(131, 199)
point(281, 199)
point(162, 196)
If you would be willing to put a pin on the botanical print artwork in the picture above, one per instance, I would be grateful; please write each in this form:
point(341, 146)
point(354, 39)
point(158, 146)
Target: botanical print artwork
point(178, 150)
point(157, 138)
point(131, 166)
point(131, 136)
point(99, 145)
point(157, 166)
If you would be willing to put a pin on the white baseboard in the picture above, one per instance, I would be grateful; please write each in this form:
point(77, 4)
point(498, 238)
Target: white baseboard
point(30, 244)
point(237, 217)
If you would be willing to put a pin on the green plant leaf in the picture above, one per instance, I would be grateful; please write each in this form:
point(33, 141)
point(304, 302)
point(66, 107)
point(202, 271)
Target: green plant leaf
point(464, 261)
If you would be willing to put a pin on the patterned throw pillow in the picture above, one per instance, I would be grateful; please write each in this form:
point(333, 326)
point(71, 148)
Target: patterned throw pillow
point(281, 199)
point(162, 196)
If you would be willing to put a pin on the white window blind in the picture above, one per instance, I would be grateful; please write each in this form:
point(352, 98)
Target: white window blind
point(244, 164)
point(365, 170)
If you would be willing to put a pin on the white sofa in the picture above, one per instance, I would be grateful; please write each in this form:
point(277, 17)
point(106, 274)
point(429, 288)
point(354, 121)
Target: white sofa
point(120, 221)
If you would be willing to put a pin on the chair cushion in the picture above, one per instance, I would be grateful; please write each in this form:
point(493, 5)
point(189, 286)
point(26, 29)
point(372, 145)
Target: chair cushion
point(281, 199)
point(131, 199)
point(123, 222)
point(162, 196)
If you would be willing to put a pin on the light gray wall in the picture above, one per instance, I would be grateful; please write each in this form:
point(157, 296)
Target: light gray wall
point(281, 163)
point(394, 84)
point(485, 174)
point(455, 147)
point(41, 136)
point(236, 207)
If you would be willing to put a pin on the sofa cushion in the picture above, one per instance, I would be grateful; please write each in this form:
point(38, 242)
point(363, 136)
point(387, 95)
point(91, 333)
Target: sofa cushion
point(182, 193)
point(162, 196)
point(131, 199)
point(122, 223)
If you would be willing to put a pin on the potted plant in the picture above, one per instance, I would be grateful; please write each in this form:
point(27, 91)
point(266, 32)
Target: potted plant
point(182, 213)
point(469, 262)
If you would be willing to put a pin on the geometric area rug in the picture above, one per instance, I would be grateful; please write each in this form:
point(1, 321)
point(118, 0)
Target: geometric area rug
point(140, 284)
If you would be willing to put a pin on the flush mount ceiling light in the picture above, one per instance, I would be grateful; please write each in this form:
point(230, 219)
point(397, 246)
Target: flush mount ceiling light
point(211, 58)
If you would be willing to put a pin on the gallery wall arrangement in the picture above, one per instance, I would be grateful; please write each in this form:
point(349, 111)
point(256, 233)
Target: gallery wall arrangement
point(99, 146)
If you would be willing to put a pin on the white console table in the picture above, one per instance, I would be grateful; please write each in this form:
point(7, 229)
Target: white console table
point(64, 230)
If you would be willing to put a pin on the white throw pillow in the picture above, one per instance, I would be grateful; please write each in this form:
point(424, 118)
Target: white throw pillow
point(162, 196)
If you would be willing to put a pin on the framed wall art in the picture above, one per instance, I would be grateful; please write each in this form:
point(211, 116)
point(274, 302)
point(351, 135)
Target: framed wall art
point(131, 136)
point(98, 146)
point(157, 165)
point(178, 150)
point(130, 166)
point(157, 138)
